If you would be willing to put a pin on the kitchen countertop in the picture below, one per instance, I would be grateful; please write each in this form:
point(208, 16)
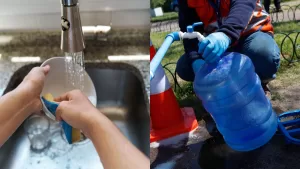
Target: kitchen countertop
point(47, 44)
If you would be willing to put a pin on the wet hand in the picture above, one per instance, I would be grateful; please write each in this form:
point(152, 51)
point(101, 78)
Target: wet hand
point(76, 109)
point(213, 46)
point(32, 86)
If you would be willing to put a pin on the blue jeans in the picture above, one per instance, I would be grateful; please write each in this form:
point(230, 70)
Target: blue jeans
point(260, 47)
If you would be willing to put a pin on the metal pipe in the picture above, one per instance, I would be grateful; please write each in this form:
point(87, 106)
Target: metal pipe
point(155, 62)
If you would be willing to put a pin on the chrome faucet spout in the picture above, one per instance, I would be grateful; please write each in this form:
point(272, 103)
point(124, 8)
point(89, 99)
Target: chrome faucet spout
point(69, 2)
point(71, 35)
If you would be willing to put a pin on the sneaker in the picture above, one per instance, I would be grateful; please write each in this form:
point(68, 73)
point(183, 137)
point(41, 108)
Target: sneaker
point(266, 90)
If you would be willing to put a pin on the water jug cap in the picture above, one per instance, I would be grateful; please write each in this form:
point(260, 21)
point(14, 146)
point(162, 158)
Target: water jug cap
point(190, 29)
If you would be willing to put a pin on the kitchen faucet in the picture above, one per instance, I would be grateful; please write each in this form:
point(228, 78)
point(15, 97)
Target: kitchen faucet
point(71, 35)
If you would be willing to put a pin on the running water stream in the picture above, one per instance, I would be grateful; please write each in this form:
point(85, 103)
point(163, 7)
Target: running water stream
point(74, 70)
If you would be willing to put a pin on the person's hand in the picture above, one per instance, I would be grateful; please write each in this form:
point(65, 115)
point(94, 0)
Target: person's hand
point(76, 109)
point(213, 46)
point(32, 86)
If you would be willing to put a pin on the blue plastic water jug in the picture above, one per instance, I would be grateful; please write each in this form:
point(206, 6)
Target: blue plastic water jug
point(231, 92)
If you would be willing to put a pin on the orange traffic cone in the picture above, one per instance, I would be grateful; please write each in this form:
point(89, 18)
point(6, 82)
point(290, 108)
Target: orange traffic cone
point(167, 119)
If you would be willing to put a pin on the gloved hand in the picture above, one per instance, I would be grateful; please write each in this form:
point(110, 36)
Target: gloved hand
point(213, 46)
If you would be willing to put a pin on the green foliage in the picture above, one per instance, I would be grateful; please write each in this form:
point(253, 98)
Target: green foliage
point(186, 91)
point(289, 26)
point(285, 0)
point(157, 3)
point(166, 17)
point(165, 4)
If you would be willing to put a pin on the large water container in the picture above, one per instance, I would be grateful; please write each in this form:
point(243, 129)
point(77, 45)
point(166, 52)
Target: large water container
point(231, 92)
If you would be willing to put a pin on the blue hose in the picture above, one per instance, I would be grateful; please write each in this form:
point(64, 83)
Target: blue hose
point(170, 38)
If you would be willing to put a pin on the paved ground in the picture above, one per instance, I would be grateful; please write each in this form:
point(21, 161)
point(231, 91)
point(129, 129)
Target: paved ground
point(199, 151)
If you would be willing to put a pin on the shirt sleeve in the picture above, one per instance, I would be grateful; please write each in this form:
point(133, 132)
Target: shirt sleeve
point(188, 16)
point(239, 16)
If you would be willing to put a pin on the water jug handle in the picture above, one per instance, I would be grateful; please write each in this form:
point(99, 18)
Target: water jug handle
point(197, 64)
point(197, 60)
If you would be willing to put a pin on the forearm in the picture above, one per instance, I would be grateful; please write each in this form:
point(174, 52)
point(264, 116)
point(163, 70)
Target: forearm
point(14, 109)
point(239, 16)
point(115, 151)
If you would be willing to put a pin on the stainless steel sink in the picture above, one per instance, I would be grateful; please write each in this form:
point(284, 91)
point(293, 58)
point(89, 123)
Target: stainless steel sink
point(120, 94)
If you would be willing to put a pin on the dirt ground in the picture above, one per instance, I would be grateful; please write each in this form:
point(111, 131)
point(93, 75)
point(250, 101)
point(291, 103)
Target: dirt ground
point(286, 89)
point(287, 97)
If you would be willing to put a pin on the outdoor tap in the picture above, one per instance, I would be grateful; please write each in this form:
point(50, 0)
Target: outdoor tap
point(71, 35)
point(170, 38)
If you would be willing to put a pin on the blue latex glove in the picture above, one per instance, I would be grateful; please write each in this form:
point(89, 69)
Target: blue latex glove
point(213, 46)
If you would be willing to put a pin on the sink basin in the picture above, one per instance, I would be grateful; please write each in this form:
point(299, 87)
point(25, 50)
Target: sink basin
point(121, 97)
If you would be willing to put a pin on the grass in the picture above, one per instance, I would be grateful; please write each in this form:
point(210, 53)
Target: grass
point(287, 74)
point(286, 26)
point(284, 42)
point(167, 16)
point(277, 96)
point(272, 2)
